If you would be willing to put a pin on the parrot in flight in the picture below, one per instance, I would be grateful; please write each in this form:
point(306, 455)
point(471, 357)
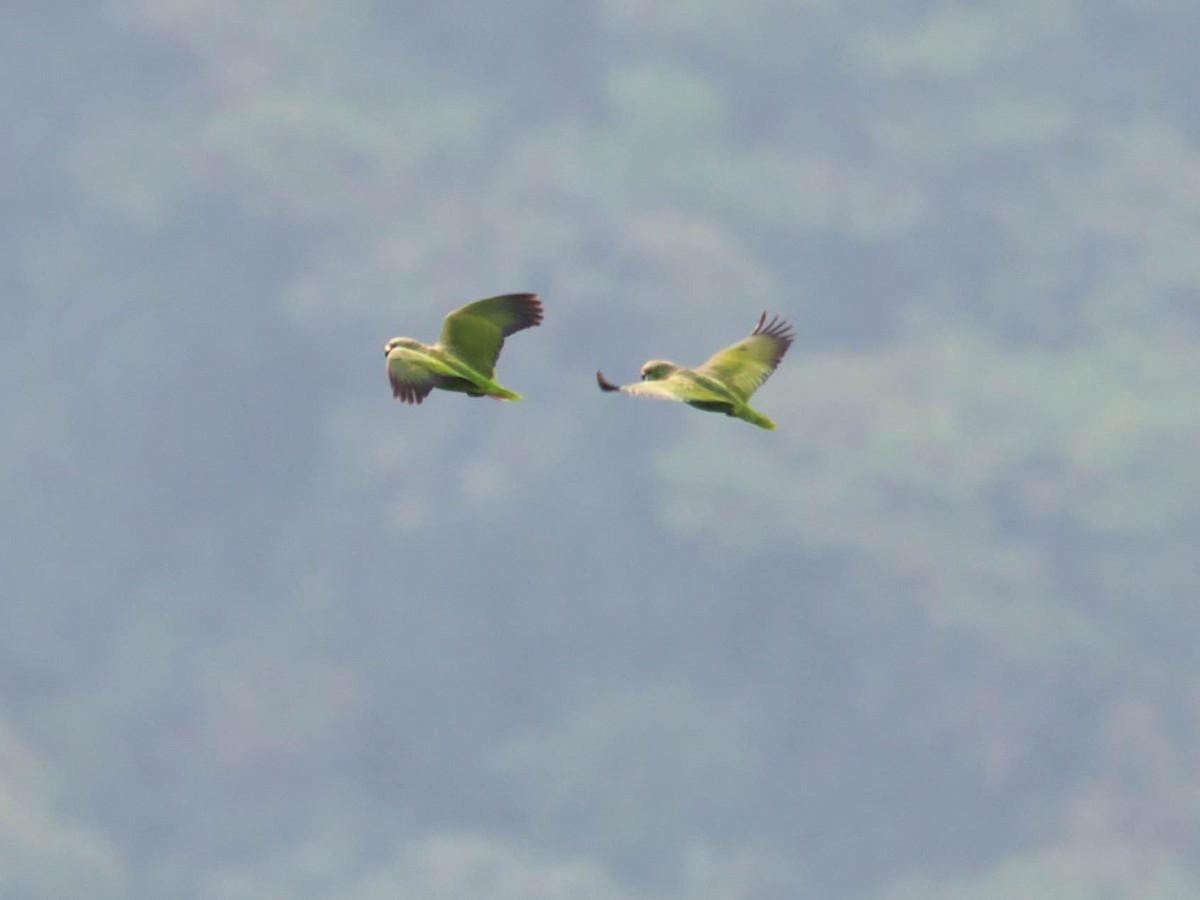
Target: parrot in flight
point(464, 357)
point(725, 381)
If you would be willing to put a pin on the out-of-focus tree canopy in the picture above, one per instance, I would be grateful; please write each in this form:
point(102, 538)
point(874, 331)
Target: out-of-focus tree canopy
point(266, 633)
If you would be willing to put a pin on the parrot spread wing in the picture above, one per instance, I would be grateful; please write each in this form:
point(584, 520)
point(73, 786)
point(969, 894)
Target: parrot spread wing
point(744, 366)
point(476, 332)
point(675, 387)
point(411, 382)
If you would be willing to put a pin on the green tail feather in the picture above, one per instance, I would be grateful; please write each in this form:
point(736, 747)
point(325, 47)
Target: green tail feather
point(500, 392)
point(754, 417)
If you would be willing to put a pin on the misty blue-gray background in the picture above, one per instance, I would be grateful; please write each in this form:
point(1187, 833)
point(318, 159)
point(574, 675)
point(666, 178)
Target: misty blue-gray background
point(266, 633)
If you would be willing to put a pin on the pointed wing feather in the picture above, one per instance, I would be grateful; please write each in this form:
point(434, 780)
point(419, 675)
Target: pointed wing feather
point(411, 383)
point(744, 366)
point(476, 332)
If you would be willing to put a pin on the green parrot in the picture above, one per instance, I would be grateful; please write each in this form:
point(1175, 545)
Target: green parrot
point(725, 381)
point(464, 358)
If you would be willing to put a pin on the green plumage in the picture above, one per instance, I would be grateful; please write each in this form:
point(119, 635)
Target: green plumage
point(725, 381)
point(464, 357)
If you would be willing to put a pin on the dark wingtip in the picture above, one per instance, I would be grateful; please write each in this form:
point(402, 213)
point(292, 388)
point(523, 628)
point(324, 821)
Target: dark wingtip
point(407, 394)
point(525, 309)
point(535, 308)
point(531, 312)
point(605, 384)
point(780, 331)
point(776, 328)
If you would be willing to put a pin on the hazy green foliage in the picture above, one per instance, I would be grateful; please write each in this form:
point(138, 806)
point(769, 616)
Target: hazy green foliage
point(268, 634)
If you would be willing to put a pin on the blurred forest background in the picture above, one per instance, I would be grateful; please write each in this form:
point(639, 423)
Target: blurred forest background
point(266, 633)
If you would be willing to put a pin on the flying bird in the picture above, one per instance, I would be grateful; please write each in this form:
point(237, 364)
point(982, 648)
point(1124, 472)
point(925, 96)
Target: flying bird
point(464, 357)
point(725, 381)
